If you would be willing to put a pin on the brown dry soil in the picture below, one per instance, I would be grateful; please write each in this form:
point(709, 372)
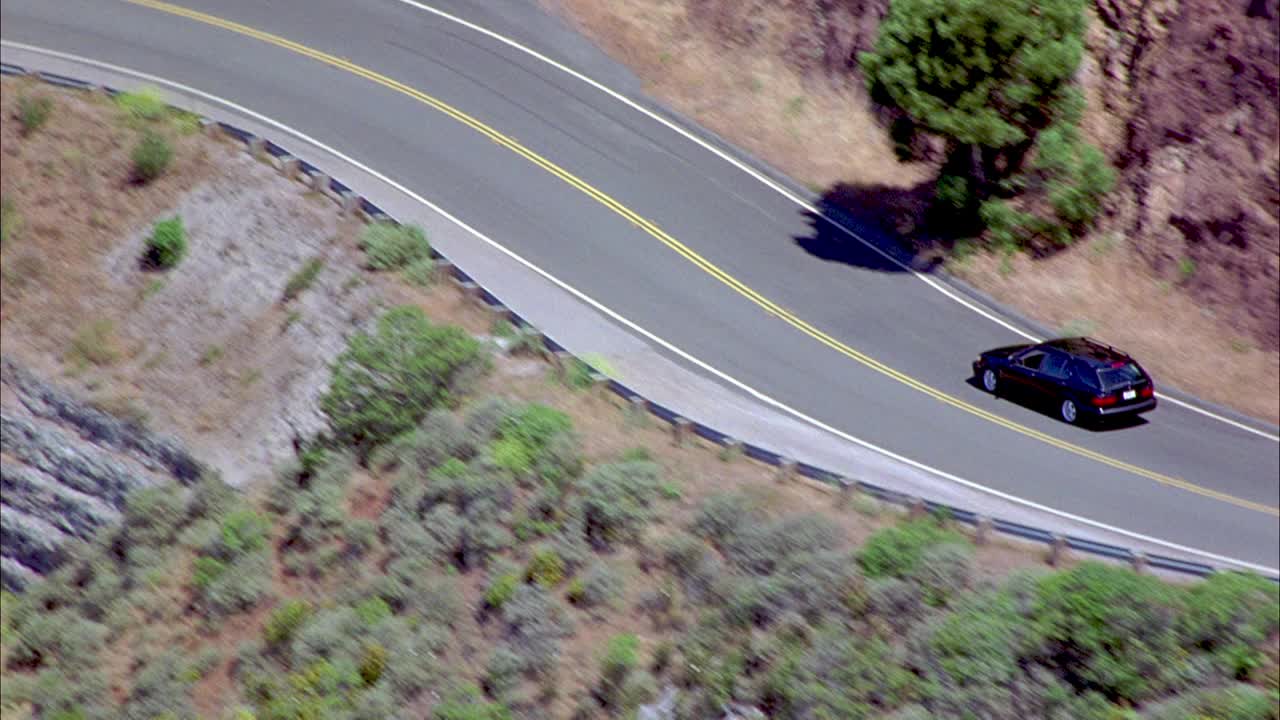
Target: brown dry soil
point(1183, 270)
point(77, 307)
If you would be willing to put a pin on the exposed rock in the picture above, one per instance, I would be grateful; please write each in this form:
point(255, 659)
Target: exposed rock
point(94, 426)
point(664, 708)
point(1202, 154)
point(28, 490)
point(14, 575)
point(736, 711)
point(65, 471)
point(30, 541)
point(84, 467)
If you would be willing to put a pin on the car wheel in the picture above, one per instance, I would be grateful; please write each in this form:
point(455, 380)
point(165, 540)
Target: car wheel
point(1069, 411)
point(990, 381)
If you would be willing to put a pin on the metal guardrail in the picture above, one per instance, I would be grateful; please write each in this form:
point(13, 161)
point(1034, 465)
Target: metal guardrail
point(340, 192)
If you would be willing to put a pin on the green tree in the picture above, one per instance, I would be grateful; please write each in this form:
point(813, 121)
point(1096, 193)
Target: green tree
point(984, 74)
point(384, 383)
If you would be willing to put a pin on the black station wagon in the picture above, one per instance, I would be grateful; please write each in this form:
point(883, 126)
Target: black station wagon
point(1083, 378)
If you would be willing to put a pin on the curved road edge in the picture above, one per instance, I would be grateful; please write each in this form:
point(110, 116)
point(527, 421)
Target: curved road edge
point(646, 361)
point(939, 279)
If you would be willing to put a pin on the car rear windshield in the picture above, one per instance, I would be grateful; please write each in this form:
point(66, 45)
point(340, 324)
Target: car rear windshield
point(1114, 377)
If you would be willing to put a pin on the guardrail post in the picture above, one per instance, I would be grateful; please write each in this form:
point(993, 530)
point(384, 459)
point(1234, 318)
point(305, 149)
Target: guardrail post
point(600, 384)
point(211, 128)
point(257, 147)
point(320, 182)
point(982, 530)
point(498, 311)
point(1138, 561)
point(786, 469)
point(680, 430)
point(844, 498)
point(443, 270)
point(731, 450)
point(289, 167)
point(563, 360)
point(637, 409)
point(350, 202)
point(1057, 550)
point(916, 508)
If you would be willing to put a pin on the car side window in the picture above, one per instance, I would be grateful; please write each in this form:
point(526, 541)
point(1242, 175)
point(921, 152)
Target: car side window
point(1055, 365)
point(1032, 360)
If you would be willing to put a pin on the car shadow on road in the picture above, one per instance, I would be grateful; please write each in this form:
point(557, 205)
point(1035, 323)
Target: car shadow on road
point(1123, 422)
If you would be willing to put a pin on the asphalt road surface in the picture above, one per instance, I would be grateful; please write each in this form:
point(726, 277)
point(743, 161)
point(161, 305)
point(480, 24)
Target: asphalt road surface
point(1180, 476)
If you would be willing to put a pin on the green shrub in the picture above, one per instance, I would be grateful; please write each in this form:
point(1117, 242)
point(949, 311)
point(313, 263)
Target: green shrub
point(303, 278)
point(421, 272)
point(973, 655)
point(598, 585)
point(384, 383)
point(161, 689)
point(1236, 702)
point(621, 657)
point(223, 588)
point(152, 515)
point(944, 571)
point(33, 112)
point(151, 157)
point(390, 246)
point(953, 192)
point(1231, 615)
point(502, 673)
point(501, 590)
point(167, 244)
point(285, 621)
point(841, 676)
point(538, 440)
point(1077, 176)
point(10, 220)
point(143, 104)
point(721, 514)
point(468, 704)
point(896, 551)
point(616, 500)
point(243, 531)
point(545, 568)
point(373, 611)
point(534, 624)
point(373, 663)
point(761, 548)
point(60, 638)
point(1109, 628)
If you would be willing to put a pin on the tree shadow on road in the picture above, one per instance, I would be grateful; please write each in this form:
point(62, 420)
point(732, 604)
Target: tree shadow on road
point(900, 223)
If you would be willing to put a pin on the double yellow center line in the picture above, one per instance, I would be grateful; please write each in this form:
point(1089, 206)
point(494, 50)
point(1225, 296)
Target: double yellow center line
point(689, 254)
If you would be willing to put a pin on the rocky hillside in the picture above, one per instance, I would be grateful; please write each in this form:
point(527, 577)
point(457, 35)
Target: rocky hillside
point(1183, 98)
point(65, 470)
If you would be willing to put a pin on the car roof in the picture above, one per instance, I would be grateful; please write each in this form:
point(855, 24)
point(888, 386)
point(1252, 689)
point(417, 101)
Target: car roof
point(1091, 351)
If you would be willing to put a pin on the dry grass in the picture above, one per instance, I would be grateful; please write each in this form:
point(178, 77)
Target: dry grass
point(747, 93)
point(824, 132)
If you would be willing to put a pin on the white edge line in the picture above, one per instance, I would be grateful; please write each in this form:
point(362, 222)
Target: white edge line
point(790, 196)
point(636, 328)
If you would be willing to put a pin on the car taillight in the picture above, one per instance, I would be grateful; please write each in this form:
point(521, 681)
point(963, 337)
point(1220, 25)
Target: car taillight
point(1148, 391)
point(1104, 400)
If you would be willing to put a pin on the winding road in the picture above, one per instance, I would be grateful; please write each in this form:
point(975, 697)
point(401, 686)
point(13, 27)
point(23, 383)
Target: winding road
point(675, 238)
